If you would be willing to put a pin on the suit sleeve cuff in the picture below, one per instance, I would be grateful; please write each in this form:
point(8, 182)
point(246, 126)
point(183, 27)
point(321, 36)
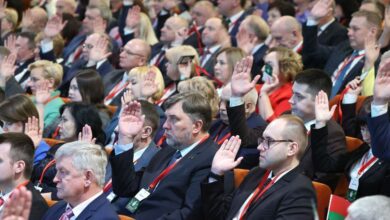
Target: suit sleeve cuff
point(46, 46)
point(377, 110)
point(349, 99)
point(120, 148)
point(235, 101)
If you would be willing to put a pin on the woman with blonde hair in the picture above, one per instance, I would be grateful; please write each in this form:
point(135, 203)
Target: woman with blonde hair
point(139, 24)
point(224, 63)
point(45, 77)
point(280, 68)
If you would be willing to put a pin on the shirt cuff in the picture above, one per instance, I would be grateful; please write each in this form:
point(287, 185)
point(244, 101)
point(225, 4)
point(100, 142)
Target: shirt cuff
point(127, 2)
point(235, 101)
point(46, 45)
point(120, 148)
point(349, 99)
point(128, 31)
point(311, 22)
point(377, 110)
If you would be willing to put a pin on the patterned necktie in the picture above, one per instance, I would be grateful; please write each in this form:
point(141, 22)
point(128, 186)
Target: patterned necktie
point(340, 78)
point(67, 214)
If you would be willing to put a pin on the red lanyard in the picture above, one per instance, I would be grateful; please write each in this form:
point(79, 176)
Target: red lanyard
point(48, 165)
point(342, 94)
point(165, 172)
point(161, 140)
point(345, 63)
point(226, 136)
point(108, 186)
point(259, 191)
point(115, 91)
point(167, 93)
point(199, 70)
point(365, 166)
point(19, 186)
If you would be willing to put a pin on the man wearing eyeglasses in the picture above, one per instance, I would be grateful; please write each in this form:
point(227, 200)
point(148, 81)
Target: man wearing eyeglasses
point(306, 86)
point(274, 190)
point(134, 54)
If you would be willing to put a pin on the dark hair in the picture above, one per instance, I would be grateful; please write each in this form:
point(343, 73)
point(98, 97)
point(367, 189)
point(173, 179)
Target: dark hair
point(71, 28)
point(285, 8)
point(22, 148)
point(86, 114)
point(91, 87)
point(316, 80)
point(17, 108)
point(152, 118)
point(30, 37)
point(194, 105)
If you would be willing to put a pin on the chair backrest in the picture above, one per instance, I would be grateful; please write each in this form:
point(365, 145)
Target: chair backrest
point(239, 175)
point(52, 141)
point(323, 196)
point(124, 217)
point(353, 143)
point(112, 109)
point(335, 101)
point(50, 202)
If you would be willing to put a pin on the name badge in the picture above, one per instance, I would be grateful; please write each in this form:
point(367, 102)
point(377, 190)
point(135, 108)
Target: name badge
point(352, 189)
point(111, 196)
point(132, 206)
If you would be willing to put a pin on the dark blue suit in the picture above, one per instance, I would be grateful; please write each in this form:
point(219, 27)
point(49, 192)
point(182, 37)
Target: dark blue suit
point(380, 136)
point(100, 208)
point(234, 30)
point(73, 45)
point(177, 196)
point(258, 61)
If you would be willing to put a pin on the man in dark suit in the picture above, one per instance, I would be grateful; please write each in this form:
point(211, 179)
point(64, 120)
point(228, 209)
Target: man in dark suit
point(16, 154)
point(200, 13)
point(173, 33)
point(306, 86)
point(274, 190)
point(234, 14)
point(213, 36)
point(135, 53)
point(81, 168)
point(345, 61)
point(169, 187)
point(25, 45)
point(251, 35)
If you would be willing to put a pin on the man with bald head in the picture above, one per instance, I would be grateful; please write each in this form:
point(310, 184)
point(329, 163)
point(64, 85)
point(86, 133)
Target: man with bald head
point(214, 37)
point(200, 13)
point(286, 31)
point(134, 54)
point(34, 20)
point(251, 35)
point(173, 33)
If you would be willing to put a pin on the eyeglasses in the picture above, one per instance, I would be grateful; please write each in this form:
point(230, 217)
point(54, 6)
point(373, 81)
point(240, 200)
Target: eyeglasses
point(128, 52)
point(88, 46)
point(266, 142)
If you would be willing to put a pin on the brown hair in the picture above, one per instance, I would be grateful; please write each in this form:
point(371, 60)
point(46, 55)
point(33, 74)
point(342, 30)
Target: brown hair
point(290, 62)
point(295, 130)
point(17, 108)
point(233, 55)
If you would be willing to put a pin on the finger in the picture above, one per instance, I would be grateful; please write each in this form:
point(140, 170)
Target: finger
point(238, 161)
point(80, 136)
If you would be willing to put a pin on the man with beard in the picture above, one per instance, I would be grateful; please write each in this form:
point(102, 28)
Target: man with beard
point(169, 187)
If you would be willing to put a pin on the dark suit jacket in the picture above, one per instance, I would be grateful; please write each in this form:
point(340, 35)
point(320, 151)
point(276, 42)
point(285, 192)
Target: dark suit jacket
point(39, 206)
point(178, 194)
point(249, 136)
point(156, 49)
point(109, 81)
point(333, 34)
point(209, 65)
point(289, 198)
point(380, 136)
point(258, 61)
point(12, 87)
point(193, 39)
point(100, 208)
point(315, 55)
point(374, 181)
point(22, 68)
point(72, 46)
point(234, 30)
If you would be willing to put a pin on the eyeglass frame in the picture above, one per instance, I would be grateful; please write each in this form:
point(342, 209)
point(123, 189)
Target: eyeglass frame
point(269, 141)
point(87, 46)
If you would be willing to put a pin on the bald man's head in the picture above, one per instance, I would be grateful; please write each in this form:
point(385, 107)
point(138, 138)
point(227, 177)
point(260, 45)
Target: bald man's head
point(202, 11)
point(174, 29)
point(286, 31)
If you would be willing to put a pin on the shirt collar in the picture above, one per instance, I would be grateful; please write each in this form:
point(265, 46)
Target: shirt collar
point(235, 17)
point(257, 47)
point(298, 46)
point(323, 27)
point(309, 124)
point(213, 49)
point(77, 210)
point(186, 150)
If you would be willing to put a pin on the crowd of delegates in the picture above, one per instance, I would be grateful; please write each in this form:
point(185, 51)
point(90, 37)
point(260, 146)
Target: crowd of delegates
point(144, 108)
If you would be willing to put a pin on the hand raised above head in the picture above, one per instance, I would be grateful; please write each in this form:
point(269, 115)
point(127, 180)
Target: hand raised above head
point(241, 79)
point(322, 112)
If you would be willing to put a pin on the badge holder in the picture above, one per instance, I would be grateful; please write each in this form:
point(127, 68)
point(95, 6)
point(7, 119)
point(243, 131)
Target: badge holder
point(352, 189)
point(132, 206)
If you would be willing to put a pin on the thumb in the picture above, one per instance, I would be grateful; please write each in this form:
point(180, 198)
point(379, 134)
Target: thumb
point(333, 109)
point(238, 161)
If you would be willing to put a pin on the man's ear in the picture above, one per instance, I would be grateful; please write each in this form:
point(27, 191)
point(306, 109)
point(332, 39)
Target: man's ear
point(146, 132)
point(293, 149)
point(197, 126)
point(19, 167)
point(89, 178)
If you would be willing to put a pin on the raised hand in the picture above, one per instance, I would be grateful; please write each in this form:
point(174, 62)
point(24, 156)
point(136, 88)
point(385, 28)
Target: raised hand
point(133, 17)
point(33, 131)
point(99, 51)
point(10, 44)
point(371, 49)
point(270, 84)
point(321, 9)
point(54, 26)
point(3, 6)
point(149, 85)
point(355, 87)
point(8, 67)
point(382, 84)
point(18, 206)
point(225, 158)
point(241, 79)
point(42, 93)
point(323, 114)
point(127, 96)
point(86, 135)
point(130, 122)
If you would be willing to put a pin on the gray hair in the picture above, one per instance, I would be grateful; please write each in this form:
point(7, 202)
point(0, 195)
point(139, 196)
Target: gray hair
point(85, 156)
point(370, 207)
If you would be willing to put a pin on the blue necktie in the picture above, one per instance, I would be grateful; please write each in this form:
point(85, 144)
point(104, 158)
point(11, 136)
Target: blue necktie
point(340, 79)
point(175, 157)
